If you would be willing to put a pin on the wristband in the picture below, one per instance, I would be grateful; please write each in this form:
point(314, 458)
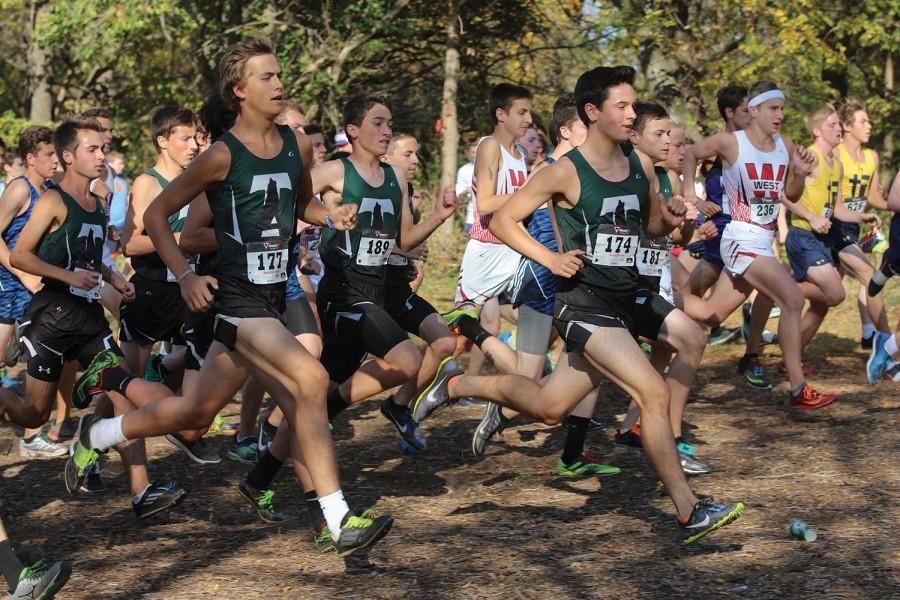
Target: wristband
point(181, 277)
point(328, 222)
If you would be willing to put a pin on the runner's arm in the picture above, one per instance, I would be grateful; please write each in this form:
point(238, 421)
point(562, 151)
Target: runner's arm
point(800, 166)
point(875, 197)
point(487, 163)
point(14, 198)
point(412, 234)
point(49, 209)
point(198, 236)
point(662, 215)
point(893, 202)
point(135, 241)
point(708, 147)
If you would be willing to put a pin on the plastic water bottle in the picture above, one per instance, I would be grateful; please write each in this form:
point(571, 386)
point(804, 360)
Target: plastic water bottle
point(801, 531)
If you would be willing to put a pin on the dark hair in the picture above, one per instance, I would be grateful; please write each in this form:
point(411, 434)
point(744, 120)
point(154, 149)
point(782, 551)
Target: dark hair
point(593, 86)
point(760, 87)
point(646, 112)
point(313, 129)
point(215, 116)
point(65, 138)
point(8, 157)
point(93, 113)
point(166, 119)
point(504, 94)
point(564, 113)
point(233, 64)
point(731, 97)
point(356, 108)
point(32, 137)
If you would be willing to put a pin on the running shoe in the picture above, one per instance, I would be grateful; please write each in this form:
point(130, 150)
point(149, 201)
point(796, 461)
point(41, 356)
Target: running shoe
point(40, 446)
point(706, 517)
point(10, 383)
point(265, 432)
point(436, 394)
point(807, 371)
point(406, 426)
point(13, 349)
point(94, 482)
point(154, 370)
point(751, 368)
point(243, 451)
point(810, 399)
point(720, 335)
point(41, 581)
point(220, 425)
point(90, 384)
point(324, 541)
point(690, 464)
point(892, 373)
point(157, 498)
point(877, 281)
point(451, 318)
point(263, 501)
point(200, 452)
point(775, 312)
point(584, 465)
point(492, 422)
point(361, 532)
point(768, 337)
point(82, 457)
point(879, 359)
point(632, 437)
point(866, 342)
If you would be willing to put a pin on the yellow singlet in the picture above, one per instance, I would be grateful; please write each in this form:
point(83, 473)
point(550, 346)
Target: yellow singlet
point(820, 194)
point(857, 179)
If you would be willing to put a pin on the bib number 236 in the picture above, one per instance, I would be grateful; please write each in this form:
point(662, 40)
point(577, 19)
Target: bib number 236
point(267, 262)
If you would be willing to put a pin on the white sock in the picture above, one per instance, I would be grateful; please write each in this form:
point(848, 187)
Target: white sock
point(868, 330)
point(890, 346)
point(107, 433)
point(879, 278)
point(334, 507)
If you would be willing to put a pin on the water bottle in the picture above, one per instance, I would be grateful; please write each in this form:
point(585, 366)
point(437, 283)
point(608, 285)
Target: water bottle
point(801, 531)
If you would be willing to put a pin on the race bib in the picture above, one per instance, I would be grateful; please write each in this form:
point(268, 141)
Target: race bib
point(856, 205)
point(309, 239)
point(374, 250)
point(827, 211)
point(615, 247)
point(91, 294)
point(764, 212)
point(267, 262)
point(652, 258)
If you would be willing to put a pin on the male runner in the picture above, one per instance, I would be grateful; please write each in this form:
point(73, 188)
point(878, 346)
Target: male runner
point(16, 287)
point(885, 357)
point(758, 166)
point(352, 296)
point(603, 194)
point(256, 184)
point(859, 190)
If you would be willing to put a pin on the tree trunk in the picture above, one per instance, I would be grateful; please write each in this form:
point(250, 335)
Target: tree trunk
point(887, 158)
point(40, 108)
point(449, 118)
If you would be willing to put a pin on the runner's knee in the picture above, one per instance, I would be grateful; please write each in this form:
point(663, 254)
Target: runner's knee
point(444, 346)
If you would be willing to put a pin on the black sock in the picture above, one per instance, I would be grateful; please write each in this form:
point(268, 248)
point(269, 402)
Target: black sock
point(576, 431)
point(396, 409)
point(314, 513)
point(263, 472)
point(116, 379)
point(679, 440)
point(472, 329)
point(10, 565)
point(336, 404)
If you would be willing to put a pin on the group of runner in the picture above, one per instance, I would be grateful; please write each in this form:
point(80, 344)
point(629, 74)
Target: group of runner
point(268, 269)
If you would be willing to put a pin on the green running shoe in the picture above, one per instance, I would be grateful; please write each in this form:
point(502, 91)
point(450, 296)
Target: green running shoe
point(83, 457)
point(464, 309)
point(243, 451)
point(41, 581)
point(90, 384)
point(263, 501)
point(324, 541)
point(154, 370)
point(359, 532)
point(220, 425)
point(706, 517)
point(585, 465)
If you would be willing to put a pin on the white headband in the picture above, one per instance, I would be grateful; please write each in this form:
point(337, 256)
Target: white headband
point(765, 97)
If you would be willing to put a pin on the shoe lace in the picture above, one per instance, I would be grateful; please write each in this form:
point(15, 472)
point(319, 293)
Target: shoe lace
point(686, 448)
point(35, 571)
point(323, 535)
point(266, 499)
point(355, 522)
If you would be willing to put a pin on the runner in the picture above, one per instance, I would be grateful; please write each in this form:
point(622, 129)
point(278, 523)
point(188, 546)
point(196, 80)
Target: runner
point(353, 295)
point(885, 357)
point(17, 287)
point(810, 220)
point(604, 193)
point(256, 183)
point(758, 166)
point(859, 190)
point(62, 243)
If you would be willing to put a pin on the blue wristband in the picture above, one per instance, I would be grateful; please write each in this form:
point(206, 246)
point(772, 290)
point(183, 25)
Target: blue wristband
point(328, 222)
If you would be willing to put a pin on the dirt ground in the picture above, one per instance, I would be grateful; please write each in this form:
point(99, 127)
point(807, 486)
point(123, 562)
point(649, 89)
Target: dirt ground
point(507, 526)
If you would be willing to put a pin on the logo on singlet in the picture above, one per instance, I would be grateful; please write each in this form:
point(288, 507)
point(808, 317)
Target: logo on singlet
point(765, 183)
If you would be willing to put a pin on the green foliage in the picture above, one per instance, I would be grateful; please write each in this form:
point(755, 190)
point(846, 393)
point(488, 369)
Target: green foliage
point(10, 126)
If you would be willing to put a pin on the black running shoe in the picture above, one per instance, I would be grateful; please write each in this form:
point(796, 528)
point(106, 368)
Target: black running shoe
point(492, 422)
point(94, 483)
point(406, 426)
point(200, 452)
point(82, 457)
point(41, 581)
point(262, 501)
point(708, 516)
point(631, 438)
point(436, 394)
point(358, 532)
point(157, 498)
